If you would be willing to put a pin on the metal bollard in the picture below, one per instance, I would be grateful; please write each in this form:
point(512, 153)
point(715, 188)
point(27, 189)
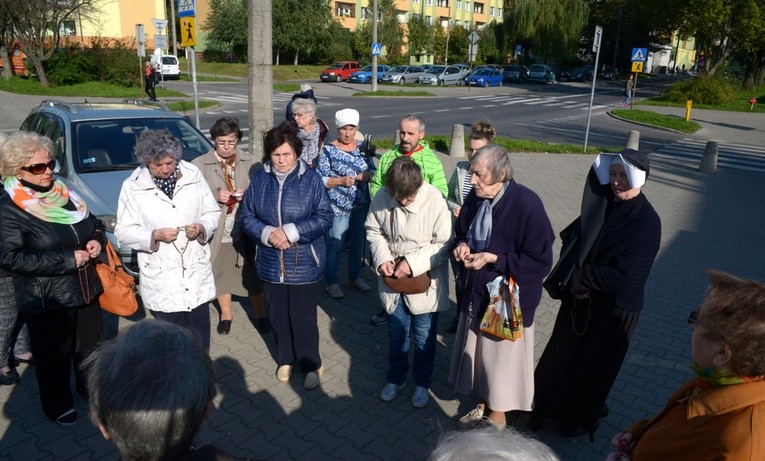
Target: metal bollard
point(634, 140)
point(709, 160)
point(457, 147)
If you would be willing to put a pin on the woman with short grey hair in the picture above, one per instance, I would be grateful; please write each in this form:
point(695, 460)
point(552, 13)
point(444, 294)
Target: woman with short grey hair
point(167, 213)
point(311, 130)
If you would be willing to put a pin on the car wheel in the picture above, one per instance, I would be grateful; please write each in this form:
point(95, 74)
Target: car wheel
point(441, 83)
point(368, 80)
point(338, 79)
point(485, 84)
point(402, 81)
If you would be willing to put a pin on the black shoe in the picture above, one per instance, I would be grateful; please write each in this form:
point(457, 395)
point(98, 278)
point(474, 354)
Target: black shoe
point(224, 327)
point(380, 318)
point(603, 412)
point(263, 325)
point(452, 328)
point(68, 418)
point(10, 377)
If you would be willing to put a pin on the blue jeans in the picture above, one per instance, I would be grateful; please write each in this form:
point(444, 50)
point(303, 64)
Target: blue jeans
point(402, 323)
point(351, 226)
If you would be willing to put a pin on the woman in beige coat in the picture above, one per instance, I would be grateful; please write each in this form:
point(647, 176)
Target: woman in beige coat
point(409, 218)
point(227, 170)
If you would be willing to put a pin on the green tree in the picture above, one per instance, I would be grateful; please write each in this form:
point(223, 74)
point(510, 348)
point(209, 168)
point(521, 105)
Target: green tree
point(553, 26)
point(38, 25)
point(389, 31)
point(302, 26)
point(421, 35)
point(227, 25)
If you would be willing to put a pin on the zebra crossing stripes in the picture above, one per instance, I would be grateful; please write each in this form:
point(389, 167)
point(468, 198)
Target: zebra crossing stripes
point(552, 101)
point(689, 152)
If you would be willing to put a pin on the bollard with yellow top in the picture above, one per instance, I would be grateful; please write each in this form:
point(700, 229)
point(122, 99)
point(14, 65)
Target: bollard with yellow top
point(688, 105)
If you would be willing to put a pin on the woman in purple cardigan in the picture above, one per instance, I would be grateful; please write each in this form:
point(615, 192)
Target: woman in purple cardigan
point(502, 230)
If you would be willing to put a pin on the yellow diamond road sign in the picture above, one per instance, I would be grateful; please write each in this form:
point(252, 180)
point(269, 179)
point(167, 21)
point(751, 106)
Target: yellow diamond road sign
point(188, 31)
point(637, 67)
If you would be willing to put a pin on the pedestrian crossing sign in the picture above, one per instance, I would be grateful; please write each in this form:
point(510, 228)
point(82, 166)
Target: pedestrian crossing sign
point(185, 8)
point(639, 54)
point(376, 49)
point(637, 66)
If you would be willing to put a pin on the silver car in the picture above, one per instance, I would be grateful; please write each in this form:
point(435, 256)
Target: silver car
point(442, 75)
point(93, 144)
point(402, 74)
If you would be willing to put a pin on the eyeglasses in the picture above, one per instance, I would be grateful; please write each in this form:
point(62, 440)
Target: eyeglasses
point(301, 114)
point(693, 318)
point(40, 168)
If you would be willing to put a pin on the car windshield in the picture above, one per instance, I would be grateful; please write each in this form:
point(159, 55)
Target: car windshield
point(512, 68)
point(337, 65)
point(483, 71)
point(398, 69)
point(366, 69)
point(537, 68)
point(169, 60)
point(102, 145)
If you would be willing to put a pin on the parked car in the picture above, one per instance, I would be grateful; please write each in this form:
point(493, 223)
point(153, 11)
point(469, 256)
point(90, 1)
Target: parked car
point(541, 73)
point(364, 75)
point(93, 145)
point(441, 75)
point(490, 66)
point(609, 73)
point(515, 74)
point(402, 74)
point(170, 69)
point(581, 74)
point(427, 67)
point(339, 71)
point(563, 73)
point(485, 76)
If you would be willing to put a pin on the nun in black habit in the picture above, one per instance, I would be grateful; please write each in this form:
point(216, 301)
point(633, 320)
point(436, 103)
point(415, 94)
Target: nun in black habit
point(600, 278)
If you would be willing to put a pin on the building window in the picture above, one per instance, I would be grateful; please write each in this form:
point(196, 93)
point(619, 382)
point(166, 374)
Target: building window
point(467, 6)
point(499, 12)
point(68, 28)
point(365, 13)
point(429, 2)
point(443, 3)
point(429, 20)
point(415, 1)
point(459, 5)
point(491, 11)
point(478, 8)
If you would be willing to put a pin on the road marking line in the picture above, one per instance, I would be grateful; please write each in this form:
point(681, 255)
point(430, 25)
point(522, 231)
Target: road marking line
point(380, 116)
point(466, 108)
point(442, 110)
point(520, 101)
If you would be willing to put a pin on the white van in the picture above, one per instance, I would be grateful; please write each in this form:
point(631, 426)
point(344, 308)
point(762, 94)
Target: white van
point(170, 69)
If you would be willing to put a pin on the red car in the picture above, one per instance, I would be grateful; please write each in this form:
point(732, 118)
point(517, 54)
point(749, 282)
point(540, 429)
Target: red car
point(339, 71)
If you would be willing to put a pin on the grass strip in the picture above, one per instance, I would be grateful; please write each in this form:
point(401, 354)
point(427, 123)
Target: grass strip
point(398, 93)
point(442, 144)
point(671, 122)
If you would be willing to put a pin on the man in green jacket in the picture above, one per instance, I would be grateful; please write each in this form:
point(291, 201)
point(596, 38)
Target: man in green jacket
point(411, 133)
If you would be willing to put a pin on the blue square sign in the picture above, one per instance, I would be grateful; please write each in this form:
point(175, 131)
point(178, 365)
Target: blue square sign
point(639, 54)
point(376, 49)
point(186, 8)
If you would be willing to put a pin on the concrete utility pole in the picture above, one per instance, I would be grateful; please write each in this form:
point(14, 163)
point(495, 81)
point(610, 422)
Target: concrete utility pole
point(172, 23)
point(374, 40)
point(260, 73)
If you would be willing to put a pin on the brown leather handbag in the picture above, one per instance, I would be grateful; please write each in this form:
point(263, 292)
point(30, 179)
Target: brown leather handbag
point(119, 286)
point(407, 285)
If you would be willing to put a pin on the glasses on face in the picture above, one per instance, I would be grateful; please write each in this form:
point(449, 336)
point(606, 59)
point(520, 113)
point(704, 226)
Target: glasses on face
point(40, 168)
point(693, 318)
point(300, 114)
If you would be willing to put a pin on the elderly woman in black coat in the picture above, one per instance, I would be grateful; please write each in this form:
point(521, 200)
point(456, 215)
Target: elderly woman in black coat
point(48, 241)
point(607, 255)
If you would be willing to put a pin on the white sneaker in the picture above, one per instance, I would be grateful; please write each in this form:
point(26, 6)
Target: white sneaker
point(421, 397)
point(361, 285)
point(283, 373)
point(313, 378)
point(334, 291)
point(473, 418)
point(390, 391)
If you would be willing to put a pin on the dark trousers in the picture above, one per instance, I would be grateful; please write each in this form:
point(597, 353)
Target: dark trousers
point(150, 89)
point(59, 339)
point(293, 315)
point(198, 321)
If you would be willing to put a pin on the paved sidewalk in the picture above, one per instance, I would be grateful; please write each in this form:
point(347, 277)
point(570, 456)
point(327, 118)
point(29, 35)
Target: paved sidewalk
point(708, 221)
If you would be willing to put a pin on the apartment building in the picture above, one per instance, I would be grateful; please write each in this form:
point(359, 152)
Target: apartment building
point(464, 13)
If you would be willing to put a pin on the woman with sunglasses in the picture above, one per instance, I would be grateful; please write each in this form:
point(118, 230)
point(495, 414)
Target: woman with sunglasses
point(227, 170)
point(719, 414)
point(48, 241)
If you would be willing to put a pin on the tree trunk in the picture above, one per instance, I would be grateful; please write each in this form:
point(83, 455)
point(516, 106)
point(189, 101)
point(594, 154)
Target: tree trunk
point(277, 56)
point(7, 63)
point(297, 53)
point(40, 71)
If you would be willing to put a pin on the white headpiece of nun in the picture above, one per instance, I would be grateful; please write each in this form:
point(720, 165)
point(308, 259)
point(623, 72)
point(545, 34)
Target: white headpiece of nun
point(602, 167)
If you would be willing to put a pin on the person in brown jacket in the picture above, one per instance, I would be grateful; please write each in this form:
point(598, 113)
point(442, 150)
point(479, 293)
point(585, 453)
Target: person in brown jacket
point(721, 413)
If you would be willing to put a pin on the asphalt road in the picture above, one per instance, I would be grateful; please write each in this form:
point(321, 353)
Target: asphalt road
point(553, 113)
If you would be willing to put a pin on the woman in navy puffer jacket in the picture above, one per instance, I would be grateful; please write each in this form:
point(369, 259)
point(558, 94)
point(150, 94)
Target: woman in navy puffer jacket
point(286, 213)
